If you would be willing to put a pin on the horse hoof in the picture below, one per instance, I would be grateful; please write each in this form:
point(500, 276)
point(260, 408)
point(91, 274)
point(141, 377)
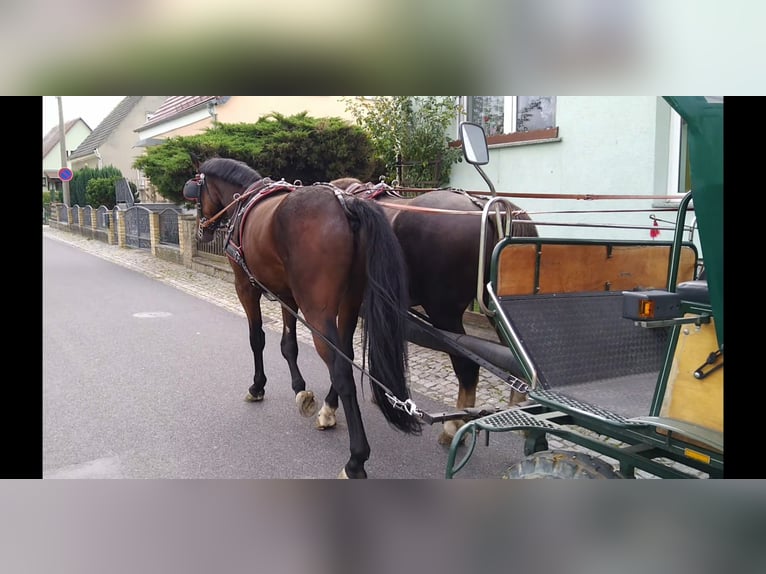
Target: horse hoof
point(326, 418)
point(257, 398)
point(449, 432)
point(344, 475)
point(444, 439)
point(307, 404)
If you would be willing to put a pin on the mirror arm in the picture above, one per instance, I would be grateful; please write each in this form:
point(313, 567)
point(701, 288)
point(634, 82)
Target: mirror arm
point(486, 179)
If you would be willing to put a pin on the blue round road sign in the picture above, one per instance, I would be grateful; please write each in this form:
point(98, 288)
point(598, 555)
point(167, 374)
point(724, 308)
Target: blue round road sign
point(65, 174)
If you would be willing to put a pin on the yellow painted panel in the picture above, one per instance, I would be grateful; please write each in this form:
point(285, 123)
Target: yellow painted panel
point(698, 401)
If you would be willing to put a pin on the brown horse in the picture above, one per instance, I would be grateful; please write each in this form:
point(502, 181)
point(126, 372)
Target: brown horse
point(442, 254)
point(325, 253)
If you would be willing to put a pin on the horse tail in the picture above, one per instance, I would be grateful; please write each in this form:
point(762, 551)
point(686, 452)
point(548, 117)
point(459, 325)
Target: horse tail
point(386, 300)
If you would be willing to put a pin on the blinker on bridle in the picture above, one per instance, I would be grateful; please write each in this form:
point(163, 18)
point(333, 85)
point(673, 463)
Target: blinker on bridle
point(195, 194)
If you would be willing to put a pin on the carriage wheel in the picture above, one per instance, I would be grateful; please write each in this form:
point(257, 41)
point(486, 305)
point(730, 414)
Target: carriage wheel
point(561, 464)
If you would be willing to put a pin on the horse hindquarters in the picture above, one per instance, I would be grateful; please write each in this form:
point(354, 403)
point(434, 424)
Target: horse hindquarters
point(316, 244)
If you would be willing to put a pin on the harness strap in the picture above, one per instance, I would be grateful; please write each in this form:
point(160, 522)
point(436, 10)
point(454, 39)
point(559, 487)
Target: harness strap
point(342, 197)
point(253, 194)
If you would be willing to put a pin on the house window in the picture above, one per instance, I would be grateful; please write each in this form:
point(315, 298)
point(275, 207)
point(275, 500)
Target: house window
point(507, 119)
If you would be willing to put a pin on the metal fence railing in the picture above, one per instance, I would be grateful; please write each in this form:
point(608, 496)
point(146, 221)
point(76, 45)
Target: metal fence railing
point(214, 247)
point(137, 227)
point(169, 226)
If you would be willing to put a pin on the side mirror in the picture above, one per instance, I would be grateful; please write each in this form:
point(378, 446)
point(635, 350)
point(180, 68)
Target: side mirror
point(474, 143)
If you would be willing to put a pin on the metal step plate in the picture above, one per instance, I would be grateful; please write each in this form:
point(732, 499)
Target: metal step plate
point(569, 404)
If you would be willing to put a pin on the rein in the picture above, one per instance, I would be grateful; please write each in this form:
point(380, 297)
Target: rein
point(577, 196)
point(254, 188)
point(437, 210)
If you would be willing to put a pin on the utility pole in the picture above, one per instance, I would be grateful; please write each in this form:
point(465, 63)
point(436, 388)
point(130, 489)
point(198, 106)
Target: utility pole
point(62, 147)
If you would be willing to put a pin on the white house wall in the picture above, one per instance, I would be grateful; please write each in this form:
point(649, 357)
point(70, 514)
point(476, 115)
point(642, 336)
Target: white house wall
point(74, 137)
point(609, 145)
point(174, 124)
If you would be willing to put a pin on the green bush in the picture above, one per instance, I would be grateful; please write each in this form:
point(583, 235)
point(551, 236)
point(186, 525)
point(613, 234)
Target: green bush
point(79, 184)
point(296, 147)
point(100, 191)
point(47, 200)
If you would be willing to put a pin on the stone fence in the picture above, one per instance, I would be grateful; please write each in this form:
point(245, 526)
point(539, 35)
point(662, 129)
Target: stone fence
point(162, 229)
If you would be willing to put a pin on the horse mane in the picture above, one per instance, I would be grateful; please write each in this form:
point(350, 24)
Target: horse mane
point(230, 170)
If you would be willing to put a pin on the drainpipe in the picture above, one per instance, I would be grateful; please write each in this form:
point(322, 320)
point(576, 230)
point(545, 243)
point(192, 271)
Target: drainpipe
point(212, 110)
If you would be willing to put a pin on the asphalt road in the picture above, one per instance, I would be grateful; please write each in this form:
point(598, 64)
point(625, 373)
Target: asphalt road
point(143, 380)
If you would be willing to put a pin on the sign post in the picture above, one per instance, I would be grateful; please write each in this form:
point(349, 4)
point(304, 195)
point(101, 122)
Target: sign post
point(62, 148)
point(65, 174)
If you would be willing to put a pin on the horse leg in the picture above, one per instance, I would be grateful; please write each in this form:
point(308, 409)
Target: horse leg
point(347, 320)
point(289, 346)
point(326, 417)
point(251, 302)
point(344, 388)
point(466, 371)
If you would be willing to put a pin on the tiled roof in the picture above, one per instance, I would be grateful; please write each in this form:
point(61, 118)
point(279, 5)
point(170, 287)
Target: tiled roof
point(177, 105)
point(106, 127)
point(51, 139)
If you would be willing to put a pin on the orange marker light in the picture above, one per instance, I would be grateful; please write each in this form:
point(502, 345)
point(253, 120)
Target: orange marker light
point(646, 309)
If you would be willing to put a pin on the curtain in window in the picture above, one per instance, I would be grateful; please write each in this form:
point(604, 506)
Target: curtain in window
point(535, 113)
point(487, 111)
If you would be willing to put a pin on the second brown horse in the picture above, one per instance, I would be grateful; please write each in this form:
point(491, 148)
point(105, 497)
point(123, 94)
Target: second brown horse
point(440, 238)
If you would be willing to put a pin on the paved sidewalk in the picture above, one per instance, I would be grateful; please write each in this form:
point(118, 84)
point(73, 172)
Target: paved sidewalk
point(431, 372)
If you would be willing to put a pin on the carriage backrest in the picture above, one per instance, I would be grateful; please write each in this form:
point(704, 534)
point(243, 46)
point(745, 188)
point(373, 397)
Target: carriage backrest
point(532, 266)
point(563, 298)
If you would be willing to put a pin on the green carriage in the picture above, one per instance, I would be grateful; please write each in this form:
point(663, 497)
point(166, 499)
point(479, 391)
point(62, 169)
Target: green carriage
point(591, 321)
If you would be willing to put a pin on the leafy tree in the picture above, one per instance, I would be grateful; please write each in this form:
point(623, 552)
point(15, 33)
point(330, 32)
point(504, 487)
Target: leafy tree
point(79, 182)
point(296, 147)
point(414, 128)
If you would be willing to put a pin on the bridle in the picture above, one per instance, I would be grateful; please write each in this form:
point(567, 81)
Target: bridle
point(195, 194)
point(210, 223)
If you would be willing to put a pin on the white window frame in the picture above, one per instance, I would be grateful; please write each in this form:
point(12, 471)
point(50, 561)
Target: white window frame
point(509, 119)
point(508, 102)
point(677, 147)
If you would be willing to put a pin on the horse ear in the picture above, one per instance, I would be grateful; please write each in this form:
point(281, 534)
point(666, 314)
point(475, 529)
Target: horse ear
point(195, 159)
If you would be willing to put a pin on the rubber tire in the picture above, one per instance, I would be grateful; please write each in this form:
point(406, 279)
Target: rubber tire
point(561, 464)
